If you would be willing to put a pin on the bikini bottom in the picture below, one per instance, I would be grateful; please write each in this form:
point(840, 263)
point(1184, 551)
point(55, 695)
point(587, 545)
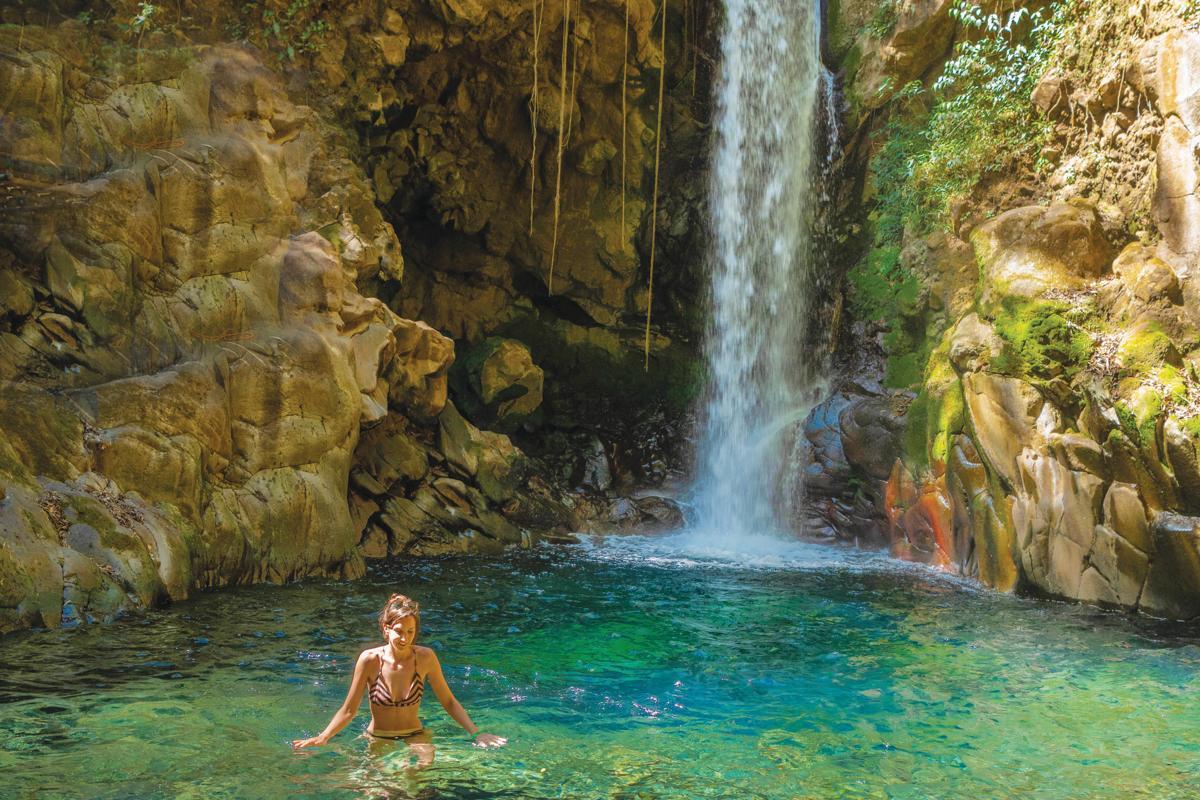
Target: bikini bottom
point(404, 734)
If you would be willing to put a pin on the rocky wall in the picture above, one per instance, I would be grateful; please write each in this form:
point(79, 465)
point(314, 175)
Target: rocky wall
point(1049, 441)
point(192, 381)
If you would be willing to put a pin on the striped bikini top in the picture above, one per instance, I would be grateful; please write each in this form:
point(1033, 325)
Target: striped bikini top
point(381, 696)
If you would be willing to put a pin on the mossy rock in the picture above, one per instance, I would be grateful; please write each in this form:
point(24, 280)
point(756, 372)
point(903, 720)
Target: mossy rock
point(1041, 343)
point(1145, 348)
point(936, 416)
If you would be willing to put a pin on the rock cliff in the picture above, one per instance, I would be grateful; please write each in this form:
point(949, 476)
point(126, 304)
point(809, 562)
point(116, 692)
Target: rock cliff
point(213, 370)
point(1024, 260)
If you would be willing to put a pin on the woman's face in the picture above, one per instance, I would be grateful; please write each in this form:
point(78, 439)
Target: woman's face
point(401, 633)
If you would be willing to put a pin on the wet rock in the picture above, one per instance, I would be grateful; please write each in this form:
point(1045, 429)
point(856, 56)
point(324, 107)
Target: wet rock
point(649, 514)
point(1116, 572)
point(1173, 584)
point(871, 435)
point(595, 472)
point(991, 555)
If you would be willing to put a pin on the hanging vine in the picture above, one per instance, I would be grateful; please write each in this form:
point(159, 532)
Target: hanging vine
point(662, 77)
point(562, 128)
point(624, 116)
point(533, 107)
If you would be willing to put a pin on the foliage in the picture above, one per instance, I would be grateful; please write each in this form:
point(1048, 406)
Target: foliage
point(876, 281)
point(938, 144)
point(883, 19)
point(136, 26)
point(979, 121)
point(287, 28)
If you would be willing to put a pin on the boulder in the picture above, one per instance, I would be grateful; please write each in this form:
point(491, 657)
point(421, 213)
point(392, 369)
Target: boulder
point(1027, 251)
point(973, 343)
point(1173, 584)
point(488, 458)
point(509, 377)
point(871, 435)
point(1147, 278)
point(497, 381)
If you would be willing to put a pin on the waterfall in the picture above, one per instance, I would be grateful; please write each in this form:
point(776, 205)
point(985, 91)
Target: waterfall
point(771, 97)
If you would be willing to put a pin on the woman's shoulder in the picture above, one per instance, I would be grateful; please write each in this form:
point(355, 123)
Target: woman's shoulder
point(371, 654)
point(425, 655)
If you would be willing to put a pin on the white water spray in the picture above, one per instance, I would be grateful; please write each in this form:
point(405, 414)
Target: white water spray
point(771, 96)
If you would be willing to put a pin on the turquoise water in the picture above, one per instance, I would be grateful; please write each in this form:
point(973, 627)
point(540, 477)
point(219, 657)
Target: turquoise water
point(636, 668)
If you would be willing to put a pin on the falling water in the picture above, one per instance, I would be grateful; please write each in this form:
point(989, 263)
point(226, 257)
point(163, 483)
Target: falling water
point(772, 94)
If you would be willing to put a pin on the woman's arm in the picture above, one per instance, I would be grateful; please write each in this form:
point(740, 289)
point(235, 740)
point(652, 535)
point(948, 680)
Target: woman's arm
point(454, 708)
point(350, 705)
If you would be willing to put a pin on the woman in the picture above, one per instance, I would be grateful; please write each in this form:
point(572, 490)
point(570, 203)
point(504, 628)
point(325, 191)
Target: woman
point(394, 676)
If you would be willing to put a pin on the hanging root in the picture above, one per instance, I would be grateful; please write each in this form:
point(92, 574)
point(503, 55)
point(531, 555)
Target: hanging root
point(562, 128)
point(533, 107)
point(571, 93)
point(624, 117)
point(662, 78)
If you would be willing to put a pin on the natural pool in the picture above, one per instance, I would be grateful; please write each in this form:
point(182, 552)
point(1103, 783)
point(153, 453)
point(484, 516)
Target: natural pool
point(621, 669)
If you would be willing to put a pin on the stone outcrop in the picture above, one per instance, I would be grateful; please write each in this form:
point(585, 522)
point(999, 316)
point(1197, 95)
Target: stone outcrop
point(1168, 72)
point(188, 364)
point(1026, 251)
point(1047, 440)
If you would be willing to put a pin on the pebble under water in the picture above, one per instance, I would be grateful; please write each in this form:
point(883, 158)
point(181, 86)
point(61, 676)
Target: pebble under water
point(632, 668)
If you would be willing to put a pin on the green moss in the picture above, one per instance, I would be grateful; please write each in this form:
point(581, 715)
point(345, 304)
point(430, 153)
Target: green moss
point(1191, 426)
point(1145, 349)
point(916, 454)
point(905, 371)
point(949, 421)
point(935, 417)
point(1040, 343)
point(1173, 382)
point(1128, 422)
point(937, 414)
point(877, 283)
point(1146, 408)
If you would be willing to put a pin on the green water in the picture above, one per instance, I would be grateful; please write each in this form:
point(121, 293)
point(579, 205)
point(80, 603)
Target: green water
point(619, 670)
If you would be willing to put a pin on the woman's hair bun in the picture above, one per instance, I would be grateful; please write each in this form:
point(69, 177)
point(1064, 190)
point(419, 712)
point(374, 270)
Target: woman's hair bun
point(397, 607)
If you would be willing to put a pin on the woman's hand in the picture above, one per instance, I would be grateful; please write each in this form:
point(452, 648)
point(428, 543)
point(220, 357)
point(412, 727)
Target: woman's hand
point(315, 741)
point(489, 740)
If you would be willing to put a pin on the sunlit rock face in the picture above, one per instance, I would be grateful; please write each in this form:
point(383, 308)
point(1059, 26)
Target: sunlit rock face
point(1048, 440)
point(186, 359)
